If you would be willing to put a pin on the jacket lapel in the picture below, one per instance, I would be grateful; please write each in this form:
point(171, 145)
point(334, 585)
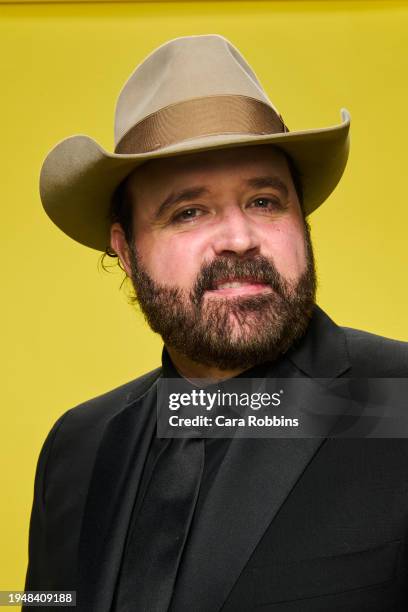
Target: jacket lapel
point(253, 482)
point(112, 491)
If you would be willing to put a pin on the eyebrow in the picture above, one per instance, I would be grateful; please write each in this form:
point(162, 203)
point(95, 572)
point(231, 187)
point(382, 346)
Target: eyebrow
point(189, 194)
point(260, 182)
point(184, 195)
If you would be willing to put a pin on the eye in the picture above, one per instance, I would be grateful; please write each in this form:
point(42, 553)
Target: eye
point(267, 204)
point(188, 214)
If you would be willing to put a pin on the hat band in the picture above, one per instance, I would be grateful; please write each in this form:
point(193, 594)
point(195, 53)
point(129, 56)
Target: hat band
point(207, 116)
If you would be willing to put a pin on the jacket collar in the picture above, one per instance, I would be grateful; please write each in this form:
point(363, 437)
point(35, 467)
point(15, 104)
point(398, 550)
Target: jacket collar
point(322, 351)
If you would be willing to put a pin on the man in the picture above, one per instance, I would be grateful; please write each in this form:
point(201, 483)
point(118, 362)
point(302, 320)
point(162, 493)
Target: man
point(204, 203)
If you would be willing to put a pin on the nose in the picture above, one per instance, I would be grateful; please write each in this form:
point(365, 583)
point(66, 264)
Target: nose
point(235, 234)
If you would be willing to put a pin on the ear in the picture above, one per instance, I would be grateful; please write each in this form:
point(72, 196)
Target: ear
point(120, 246)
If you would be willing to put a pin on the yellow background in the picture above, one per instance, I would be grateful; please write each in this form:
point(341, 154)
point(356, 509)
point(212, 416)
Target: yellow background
point(68, 333)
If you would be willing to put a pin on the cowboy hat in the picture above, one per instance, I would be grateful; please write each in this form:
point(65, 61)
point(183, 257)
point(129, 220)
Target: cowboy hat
point(194, 93)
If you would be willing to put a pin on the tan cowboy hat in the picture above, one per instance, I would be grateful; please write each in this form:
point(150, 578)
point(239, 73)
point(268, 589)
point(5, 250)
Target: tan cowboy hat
point(194, 93)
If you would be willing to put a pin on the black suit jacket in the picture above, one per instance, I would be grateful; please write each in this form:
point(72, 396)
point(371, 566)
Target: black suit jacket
point(289, 524)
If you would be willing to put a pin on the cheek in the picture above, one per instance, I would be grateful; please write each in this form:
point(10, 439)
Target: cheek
point(286, 245)
point(170, 261)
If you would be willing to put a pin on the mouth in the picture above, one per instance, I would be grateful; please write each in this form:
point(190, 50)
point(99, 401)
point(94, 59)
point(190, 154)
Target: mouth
point(236, 287)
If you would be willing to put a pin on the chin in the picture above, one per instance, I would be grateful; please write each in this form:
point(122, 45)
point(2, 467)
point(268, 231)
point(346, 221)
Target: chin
point(244, 331)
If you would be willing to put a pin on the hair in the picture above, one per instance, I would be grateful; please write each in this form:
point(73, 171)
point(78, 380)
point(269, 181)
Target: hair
point(121, 209)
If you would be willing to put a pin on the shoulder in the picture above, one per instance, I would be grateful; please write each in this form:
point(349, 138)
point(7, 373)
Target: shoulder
point(77, 433)
point(92, 415)
point(375, 355)
point(109, 403)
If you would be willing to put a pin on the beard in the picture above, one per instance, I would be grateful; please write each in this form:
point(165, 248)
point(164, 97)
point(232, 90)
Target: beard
point(236, 332)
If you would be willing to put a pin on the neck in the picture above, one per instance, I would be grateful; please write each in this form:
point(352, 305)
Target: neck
point(191, 369)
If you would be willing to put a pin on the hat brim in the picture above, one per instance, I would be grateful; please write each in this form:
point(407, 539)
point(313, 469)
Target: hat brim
point(78, 177)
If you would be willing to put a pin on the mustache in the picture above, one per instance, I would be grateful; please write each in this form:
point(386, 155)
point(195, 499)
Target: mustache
point(259, 269)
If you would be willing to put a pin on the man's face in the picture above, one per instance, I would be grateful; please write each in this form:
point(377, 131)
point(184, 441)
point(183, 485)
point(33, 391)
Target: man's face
point(221, 259)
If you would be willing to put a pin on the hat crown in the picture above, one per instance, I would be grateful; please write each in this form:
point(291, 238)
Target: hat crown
point(183, 69)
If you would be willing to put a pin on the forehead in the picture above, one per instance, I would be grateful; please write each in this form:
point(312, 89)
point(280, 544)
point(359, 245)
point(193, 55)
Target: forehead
point(235, 163)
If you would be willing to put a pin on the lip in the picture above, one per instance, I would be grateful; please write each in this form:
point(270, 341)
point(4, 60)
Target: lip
point(246, 288)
